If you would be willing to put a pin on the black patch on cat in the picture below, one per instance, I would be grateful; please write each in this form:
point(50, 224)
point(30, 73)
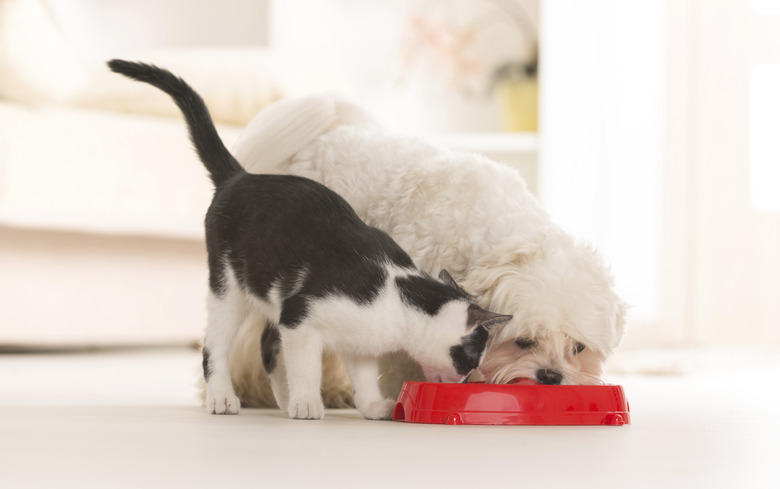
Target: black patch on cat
point(270, 228)
point(270, 344)
point(426, 293)
point(466, 356)
point(216, 274)
point(206, 366)
point(296, 233)
point(290, 283)
point(294, 311)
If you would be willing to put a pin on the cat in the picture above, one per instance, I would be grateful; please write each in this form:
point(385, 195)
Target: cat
point(292, 251)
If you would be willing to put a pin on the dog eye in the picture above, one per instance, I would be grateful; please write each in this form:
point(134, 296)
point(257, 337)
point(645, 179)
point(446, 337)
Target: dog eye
point(578, 347)
point(525, 343)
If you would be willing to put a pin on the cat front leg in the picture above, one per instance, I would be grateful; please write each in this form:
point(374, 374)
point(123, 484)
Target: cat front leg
point(302, 356)
point(364, 374)
point(226, 313)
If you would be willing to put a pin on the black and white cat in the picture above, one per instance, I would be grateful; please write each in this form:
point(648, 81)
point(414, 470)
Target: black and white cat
point(295, 253)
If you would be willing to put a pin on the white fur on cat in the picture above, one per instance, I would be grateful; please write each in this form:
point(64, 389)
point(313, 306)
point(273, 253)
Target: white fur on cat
point(360, 333)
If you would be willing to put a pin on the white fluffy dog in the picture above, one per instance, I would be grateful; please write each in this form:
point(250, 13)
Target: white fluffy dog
point(452, 210)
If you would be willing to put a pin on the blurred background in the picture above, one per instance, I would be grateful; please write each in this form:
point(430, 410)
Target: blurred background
point(649, 127)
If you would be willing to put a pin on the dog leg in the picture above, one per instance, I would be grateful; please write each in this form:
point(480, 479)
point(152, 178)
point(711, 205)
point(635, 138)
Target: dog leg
point(364, 374)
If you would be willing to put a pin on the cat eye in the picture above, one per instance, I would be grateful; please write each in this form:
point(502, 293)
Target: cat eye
point(578, 347)
point(525, 343)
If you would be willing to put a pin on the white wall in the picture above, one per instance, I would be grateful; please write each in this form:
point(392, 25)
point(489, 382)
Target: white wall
point(600, 126)
point(737, 245)
point(658, 144)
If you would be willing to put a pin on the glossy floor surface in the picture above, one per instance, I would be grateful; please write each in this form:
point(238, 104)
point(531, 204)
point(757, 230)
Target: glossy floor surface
point(131, 419)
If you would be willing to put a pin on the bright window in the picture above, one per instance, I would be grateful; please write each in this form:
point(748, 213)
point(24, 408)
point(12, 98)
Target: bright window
point(766, 7)
point(765, 137)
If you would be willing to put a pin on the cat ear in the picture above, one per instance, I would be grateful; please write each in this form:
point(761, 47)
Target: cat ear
point(480, 317)
point(445, 277)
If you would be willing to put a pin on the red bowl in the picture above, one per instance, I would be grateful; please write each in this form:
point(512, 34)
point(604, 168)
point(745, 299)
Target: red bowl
point(522, 403)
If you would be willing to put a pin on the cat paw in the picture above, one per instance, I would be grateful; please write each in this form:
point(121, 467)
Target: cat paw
point(306, 409)
point(222, 403)
point(379, 409)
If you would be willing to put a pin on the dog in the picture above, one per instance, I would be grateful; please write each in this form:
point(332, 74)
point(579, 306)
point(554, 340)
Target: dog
point(453, 210)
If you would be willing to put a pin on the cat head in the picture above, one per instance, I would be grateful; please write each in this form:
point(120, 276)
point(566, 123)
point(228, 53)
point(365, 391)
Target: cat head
point(453, 343)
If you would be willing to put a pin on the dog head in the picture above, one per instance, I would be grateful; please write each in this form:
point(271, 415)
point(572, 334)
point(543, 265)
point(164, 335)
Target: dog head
point(567, 318)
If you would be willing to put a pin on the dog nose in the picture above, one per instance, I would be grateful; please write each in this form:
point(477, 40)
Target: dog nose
point(549, 377)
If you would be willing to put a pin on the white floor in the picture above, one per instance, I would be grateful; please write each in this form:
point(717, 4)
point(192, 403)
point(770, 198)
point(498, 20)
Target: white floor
point(131, 420)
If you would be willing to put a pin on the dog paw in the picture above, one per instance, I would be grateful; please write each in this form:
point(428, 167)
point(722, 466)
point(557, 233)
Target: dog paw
point(306, 409)
point(379, 409)
point(222, 403)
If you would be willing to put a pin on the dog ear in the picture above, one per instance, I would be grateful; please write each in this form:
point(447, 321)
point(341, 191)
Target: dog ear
point(486, 319)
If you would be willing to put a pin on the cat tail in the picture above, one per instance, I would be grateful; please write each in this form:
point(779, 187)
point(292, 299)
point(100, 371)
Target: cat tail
point(287, 126)
point(220, 164)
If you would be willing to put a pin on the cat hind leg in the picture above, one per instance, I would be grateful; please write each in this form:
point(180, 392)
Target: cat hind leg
point(226, 313)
